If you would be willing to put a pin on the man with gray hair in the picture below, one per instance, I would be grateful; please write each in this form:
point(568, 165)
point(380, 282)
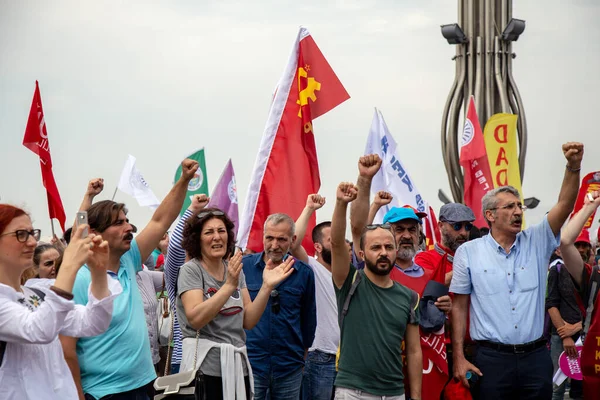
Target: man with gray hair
point(278, 343)
point(504, 275)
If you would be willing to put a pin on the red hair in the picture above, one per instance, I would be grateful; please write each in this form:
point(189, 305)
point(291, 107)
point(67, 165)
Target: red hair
point(7, 214)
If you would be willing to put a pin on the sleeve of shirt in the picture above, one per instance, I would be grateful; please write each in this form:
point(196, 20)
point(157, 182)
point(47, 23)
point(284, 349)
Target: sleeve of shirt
point(461, 277)
point(553, 298)
point(19, 325)
point(93, 318)
point(175, 257)
point(544, 239)
point(190, 278)
point(308, 317)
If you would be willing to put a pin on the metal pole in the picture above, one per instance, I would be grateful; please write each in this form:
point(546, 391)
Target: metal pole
point(114, 194)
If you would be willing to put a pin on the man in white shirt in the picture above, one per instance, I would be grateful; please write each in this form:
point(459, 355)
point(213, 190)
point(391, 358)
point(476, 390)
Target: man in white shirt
point(319, 369)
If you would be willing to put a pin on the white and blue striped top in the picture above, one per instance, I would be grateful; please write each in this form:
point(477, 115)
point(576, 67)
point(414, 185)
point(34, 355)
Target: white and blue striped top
point(175, 259)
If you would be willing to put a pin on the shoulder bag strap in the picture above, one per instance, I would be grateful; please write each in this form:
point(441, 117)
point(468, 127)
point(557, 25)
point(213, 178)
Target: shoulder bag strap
point(355, 281)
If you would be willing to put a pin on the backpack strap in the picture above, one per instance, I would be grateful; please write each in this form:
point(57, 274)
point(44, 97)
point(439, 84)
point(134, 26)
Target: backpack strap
point(355, 281)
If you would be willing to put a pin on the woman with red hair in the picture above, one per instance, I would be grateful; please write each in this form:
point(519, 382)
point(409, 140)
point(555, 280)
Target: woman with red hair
point(32, 364)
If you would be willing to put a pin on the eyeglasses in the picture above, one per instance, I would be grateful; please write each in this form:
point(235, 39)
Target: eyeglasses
point(275, 307)
point(510, 207)
point(23, 235)
point(457, 226)
point(215, 213)
point(372, 227)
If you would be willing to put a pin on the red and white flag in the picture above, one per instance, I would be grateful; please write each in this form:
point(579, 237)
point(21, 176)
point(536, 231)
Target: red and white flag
point(473, 159)
point(286, 170)
point(36, 140)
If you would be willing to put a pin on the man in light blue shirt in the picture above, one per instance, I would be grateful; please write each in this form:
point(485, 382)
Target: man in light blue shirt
point(118, 364)
point(504, 275)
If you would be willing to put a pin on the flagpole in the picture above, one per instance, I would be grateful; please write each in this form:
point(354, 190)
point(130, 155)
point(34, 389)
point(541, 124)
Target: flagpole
point(52, 226)
point(115, 193)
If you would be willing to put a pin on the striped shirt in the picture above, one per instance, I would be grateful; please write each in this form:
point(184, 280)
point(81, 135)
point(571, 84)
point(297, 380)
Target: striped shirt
point(175, 259)
point(149, 283)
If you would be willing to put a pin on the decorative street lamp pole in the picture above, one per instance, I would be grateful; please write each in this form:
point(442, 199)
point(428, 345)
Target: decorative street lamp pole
point(483, 37)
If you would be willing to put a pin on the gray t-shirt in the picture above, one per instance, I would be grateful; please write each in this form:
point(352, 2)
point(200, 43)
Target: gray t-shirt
point(226, 327)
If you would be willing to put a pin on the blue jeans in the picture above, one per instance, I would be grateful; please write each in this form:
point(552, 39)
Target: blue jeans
point(319, 376)
point(286, 388)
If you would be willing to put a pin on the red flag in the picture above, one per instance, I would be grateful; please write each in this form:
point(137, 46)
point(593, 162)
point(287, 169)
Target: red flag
point(432, 231)
point(590, 367)
point(286, 169)
point(36, 140)
point(589, 184)
point(473, 159)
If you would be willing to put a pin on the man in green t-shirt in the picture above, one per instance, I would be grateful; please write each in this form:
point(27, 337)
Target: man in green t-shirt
point(381, 313)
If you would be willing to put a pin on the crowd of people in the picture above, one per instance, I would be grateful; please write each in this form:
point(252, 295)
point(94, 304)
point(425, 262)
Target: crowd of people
point(82, 317)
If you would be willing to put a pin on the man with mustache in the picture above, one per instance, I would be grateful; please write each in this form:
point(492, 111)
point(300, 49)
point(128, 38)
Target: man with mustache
point(455, 223)
point(118, 363)
point(319, 369)
point(376, 314)
point(504, 274)
point(277, 345)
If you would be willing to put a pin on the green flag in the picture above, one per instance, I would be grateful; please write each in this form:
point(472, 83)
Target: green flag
point(199, 183)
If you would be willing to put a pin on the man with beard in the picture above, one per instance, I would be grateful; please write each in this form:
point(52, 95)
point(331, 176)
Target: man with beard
point(376, 313)
point(455, 222)
point(319, 369)
point(504, 274)
point(278, 343)
point(118, 364)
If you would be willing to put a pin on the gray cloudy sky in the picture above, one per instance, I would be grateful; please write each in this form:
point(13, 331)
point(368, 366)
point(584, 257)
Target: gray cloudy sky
point(159, 79)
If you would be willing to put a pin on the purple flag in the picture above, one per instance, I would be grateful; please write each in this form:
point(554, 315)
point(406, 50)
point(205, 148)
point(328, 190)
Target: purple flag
point(224, 195)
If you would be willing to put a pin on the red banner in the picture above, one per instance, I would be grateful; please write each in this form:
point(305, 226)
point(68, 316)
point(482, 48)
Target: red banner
point(287, 168)
point(590, 356)
point(474, 160)
point(433, 346)
point(589, 183)
point(36, 140)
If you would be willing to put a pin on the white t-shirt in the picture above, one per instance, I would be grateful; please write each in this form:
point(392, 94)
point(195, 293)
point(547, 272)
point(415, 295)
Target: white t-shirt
point(327, 336)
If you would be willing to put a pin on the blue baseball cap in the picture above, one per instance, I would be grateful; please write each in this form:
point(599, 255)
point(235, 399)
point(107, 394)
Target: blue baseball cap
point(400, 213)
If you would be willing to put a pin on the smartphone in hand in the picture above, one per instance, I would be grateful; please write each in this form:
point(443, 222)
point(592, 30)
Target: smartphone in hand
point(82, 219)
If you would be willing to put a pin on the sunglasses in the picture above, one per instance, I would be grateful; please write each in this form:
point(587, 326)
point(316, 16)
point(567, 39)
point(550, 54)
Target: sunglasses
point(275, 307)
point(23, 235)
point(372, 227)
point(215, 213)
point(457, 226)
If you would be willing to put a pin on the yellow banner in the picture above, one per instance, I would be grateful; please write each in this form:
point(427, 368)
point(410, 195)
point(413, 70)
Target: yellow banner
point(500, 135)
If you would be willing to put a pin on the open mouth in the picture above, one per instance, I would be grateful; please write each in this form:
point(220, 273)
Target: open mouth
point(217, 246)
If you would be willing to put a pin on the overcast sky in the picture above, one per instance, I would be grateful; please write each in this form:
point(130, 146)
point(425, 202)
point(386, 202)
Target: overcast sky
point(160, 79)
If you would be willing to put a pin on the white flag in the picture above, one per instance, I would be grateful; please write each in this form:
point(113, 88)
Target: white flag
point(133, 183)
point(392, 176)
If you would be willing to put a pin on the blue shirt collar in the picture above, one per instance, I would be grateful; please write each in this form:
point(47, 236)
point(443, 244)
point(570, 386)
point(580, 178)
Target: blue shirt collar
point(497, 246)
